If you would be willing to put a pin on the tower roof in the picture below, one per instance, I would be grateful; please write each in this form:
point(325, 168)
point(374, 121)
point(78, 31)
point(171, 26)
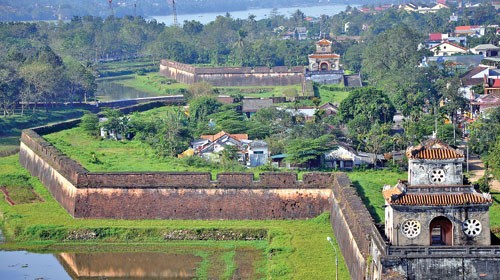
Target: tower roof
point(433, 149)
point(395, 196)
point(324, 42)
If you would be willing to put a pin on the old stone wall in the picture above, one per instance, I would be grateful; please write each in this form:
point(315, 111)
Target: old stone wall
point(446, 266)
point(171, 195)
point(233, 76)
point(352, 225)
point(201, 203)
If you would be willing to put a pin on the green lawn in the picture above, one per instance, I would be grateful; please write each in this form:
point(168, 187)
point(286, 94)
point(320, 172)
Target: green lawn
point(294, 249)
point(153, 83)
point(369, 185)
point(333, 93)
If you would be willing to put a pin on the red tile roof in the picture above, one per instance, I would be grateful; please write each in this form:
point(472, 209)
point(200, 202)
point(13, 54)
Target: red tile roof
point(435, 36)
point(324, 42)
point(439, 199)
point(214, 137)
point(433, 149)
point(451, 44)
point(328, 55)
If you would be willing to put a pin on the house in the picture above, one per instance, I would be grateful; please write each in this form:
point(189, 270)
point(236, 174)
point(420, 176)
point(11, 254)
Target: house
point(329, 108)
point(470, 30)
point(447, 48)
point(411, 7)
point(113, 130)
point(465, 61)
point(345, 157)
point(485, 102)
point(487, 50)
point(257, 153)
point(300, 33)
point(250, 152)
point(491, 85)
point(472, 78)
point(252, 105)
point(437, 38)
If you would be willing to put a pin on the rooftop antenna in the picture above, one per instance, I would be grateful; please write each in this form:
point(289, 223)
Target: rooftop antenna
point(174, 11)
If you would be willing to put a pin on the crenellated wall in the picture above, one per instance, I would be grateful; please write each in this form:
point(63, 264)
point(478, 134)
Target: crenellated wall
point(171, 195)
point(233, 76)
point(352, 225)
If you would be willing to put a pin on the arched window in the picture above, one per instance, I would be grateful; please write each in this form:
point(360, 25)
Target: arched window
point(323, 66)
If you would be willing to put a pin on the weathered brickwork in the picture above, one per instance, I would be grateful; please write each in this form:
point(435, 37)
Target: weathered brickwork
point(161, 195)
point(233, 76)
point(170, 195)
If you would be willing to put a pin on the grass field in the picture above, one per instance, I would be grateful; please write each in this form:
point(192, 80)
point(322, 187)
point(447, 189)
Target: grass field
point(333, 93)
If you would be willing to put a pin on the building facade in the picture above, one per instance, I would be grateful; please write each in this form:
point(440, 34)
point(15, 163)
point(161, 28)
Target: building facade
point(433, 207)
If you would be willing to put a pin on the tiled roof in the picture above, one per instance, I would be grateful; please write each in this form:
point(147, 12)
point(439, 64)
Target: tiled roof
point(328, 55)
point(468, 79)
point(324, 42)
point(435, 36)
point(439, 199)
point(451, 44)
point(437, 154)
point(433, 149)
point(214, 137)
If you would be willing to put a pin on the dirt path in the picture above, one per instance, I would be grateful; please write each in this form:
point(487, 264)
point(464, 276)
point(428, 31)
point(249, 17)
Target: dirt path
point(476, 169)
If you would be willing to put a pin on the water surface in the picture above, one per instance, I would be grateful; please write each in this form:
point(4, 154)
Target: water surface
point(311, 11)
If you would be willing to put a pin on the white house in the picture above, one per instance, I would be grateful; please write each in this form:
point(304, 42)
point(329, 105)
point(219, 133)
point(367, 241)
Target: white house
point(345, 157)
point(250, 152)
point(447, 48)
point(487, 50)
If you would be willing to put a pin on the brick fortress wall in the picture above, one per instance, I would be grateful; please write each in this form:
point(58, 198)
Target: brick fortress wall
point(233, 76)
point(167, 195)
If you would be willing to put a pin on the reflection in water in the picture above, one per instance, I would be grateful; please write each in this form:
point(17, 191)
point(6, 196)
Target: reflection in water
point(107, 90)
point(130, 265)
point(24, 265)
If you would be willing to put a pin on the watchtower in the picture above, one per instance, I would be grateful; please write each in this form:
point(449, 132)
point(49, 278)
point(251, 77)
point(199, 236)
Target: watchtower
point(323, 59)
point(433, 207)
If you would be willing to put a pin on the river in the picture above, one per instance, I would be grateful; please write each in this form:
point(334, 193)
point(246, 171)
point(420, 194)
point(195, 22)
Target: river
point(310, 11)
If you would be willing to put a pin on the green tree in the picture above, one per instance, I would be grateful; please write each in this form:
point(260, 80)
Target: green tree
point(173, 136)
point(493, 159)
point(201, 107)
point(367, 102)
point(304, 150)
point(90, 124)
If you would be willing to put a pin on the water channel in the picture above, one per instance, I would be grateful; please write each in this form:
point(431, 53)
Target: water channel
point(109, 90)
point(26, 265)
point(123, 265)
